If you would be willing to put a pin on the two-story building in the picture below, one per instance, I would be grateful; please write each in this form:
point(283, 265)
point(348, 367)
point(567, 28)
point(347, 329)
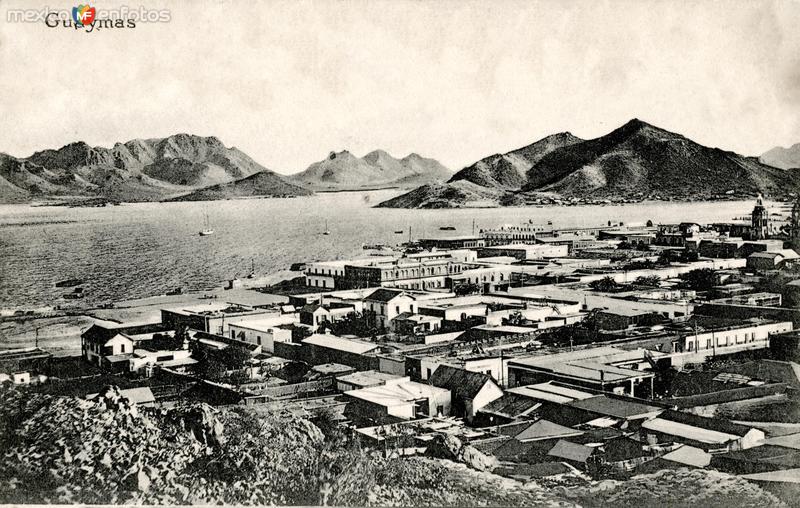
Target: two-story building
point(386, 304)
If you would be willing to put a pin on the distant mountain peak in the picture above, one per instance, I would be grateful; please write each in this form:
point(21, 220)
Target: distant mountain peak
point(508, 170)
point(343, 170)
point(634, 161)
point(136, 170)
point(783, 158)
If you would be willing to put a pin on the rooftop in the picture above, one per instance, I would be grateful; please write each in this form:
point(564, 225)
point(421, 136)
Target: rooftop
point(338, 343)
point(384, 295)
point(369, 378)
point(398, 394)
point(593, 364)
point(619, 408)
point(462, 383)
point(545, 429)
point(698, 434)
point(551, 393)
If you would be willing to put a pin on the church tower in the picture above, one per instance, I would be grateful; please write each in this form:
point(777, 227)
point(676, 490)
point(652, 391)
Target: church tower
point(760, 218)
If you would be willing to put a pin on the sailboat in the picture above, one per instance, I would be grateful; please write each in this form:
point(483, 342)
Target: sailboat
point(252, 273)
point(207, 230)
point(327, 231)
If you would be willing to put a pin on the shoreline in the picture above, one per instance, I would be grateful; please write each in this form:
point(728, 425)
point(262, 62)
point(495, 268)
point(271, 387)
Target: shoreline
point(63, 201)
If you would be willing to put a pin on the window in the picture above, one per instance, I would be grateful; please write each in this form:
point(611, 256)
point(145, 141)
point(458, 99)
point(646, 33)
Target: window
point(708, 343)
point(397, 309)
point(122, 348)
point(258, 339)
point(691, 346)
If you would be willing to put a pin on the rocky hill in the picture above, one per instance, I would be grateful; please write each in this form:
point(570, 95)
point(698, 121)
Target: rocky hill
point(108, 450)
point(264, 183)
point(639, 159)
point(138, 170)
point(345, 171)
point(634, 162)
point(508, 171)
point(446, 195)
point(783, 158)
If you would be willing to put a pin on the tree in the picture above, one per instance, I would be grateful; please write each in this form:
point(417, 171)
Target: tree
point(648, 280)
point(701, 279)
point(210, 368)
point(606, 284)
point(356, 323)
point(233, 357)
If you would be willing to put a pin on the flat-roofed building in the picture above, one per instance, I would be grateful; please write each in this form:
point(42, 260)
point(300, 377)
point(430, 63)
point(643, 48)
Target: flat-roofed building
point(453, 242)
point(406, 401)
point(515, 233)
point(211, 317)
point(525, 252)
point(602, 368)
point(325, 348)
point(265, 331)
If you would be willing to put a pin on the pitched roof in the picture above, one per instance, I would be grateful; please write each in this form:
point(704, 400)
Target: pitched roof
point(545, 429)
point(618, 408)
point(462, 383)
point(311, 307)
point(787, 441)
point(384, 295)
point(782, 476)
point(767, 456)
point(102, 333)
point(622, 448)
point(690, 456)
point(713, 424)
point(687, 431)
point(511, 405)
point(571, 451)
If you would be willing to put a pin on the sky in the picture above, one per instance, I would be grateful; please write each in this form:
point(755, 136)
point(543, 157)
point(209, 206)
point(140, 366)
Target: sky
point(288, 82)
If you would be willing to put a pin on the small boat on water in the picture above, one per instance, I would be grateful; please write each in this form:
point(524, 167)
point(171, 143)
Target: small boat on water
point(399, 232)
point(207, 230)
point(376, 246)
point(327, 231)
point(447, 228)
point(68, 283)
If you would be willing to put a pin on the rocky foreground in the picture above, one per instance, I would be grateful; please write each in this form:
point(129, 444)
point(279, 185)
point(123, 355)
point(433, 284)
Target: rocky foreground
point(108, 451)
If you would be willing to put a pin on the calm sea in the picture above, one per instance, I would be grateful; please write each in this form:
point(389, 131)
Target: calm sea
point(137, 250)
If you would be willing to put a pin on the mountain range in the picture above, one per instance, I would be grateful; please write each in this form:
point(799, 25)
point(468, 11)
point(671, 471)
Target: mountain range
point(635, 161)
point(138, 170)
point(784, 158)
point(344, 171)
